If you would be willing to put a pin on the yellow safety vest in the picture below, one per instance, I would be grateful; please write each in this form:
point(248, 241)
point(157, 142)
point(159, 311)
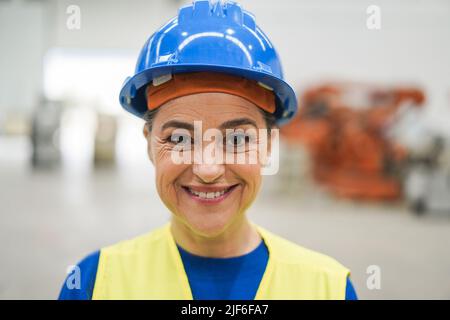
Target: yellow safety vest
point(150, 267)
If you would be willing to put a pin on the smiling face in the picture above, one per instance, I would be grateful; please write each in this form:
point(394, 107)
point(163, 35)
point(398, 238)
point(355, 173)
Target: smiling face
point(208, 198)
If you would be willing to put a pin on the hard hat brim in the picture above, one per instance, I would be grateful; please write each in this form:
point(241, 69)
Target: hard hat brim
point(133, 98)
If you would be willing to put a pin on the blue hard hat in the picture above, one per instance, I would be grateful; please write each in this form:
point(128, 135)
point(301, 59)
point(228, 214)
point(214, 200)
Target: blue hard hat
point(218, 37)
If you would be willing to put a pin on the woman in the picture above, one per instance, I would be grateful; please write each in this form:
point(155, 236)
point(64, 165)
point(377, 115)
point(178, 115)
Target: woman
point(209, 70)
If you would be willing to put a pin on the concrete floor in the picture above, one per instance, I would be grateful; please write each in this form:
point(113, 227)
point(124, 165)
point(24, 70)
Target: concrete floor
point(51, 219)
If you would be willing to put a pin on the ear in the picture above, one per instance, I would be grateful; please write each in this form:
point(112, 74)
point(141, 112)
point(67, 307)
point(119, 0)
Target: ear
point(147, 134)
point(146, 131)
point(269, 141)
point(272, 138)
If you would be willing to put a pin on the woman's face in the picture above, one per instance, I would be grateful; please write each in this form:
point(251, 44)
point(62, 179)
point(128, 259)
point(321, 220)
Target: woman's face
point(206, 196)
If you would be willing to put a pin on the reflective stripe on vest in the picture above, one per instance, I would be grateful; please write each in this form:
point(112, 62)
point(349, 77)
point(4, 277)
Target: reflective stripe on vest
point(150, 267)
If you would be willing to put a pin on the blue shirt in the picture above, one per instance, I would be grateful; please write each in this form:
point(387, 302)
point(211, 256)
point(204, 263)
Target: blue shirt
point(234, 278)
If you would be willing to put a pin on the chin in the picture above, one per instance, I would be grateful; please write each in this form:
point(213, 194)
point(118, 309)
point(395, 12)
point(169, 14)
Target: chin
point(209, 227)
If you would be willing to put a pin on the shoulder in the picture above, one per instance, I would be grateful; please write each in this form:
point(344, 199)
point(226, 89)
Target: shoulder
point(80, 281)
point(288, 252)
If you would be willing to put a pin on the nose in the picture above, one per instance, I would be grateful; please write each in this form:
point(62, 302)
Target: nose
point(208, 173)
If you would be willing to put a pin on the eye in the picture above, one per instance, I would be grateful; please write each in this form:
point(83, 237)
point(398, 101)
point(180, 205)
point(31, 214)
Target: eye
point(237, 139)
point(181, 140)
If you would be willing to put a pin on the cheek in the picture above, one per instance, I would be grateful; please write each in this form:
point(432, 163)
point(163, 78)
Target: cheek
point(167, 173)
point(250, 174)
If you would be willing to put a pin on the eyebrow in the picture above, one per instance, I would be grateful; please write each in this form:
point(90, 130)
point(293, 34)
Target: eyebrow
point(227, 124)
point(238, 122)
point(178, 124)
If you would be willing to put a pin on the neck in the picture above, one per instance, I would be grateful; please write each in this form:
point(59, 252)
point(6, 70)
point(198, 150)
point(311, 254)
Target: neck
point(238, 239)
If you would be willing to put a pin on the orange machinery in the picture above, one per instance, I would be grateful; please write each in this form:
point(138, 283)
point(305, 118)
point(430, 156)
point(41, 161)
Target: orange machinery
point(352, 154)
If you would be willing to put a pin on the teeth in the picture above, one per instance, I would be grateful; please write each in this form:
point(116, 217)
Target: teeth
point(208, 195)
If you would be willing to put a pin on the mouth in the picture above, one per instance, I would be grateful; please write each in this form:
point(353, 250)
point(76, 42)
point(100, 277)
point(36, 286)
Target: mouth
point(209, 194)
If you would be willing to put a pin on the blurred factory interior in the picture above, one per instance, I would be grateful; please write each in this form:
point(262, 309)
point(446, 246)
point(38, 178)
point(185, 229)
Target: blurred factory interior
point(365, 167)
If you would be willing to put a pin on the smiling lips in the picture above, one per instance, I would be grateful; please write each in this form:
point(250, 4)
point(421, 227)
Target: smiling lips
point(209, 194)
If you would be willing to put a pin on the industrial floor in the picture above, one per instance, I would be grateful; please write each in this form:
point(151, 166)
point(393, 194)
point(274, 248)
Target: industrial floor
point(50, 219)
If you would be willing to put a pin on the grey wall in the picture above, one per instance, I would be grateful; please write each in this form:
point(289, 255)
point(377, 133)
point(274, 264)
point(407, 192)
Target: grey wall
point(22, 45)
